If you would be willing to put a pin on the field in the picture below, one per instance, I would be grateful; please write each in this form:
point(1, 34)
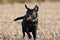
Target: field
point(49, 21)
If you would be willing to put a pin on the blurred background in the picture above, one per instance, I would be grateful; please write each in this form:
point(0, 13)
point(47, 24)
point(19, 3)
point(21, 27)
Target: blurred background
point(48, 17)
point(26, 1)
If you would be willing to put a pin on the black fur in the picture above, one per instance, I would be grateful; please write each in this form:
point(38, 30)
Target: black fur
point(30, 21)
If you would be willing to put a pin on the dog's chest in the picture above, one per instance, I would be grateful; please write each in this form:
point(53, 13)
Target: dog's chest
point(31, 23)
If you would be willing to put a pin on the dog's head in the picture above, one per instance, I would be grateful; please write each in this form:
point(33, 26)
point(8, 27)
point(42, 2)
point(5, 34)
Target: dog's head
point(31, 14)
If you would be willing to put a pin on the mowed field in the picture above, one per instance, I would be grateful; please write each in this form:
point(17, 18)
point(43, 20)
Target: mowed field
point(48, 26)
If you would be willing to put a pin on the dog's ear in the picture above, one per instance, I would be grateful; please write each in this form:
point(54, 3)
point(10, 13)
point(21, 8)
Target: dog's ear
point(26, 7)
point(36, 8)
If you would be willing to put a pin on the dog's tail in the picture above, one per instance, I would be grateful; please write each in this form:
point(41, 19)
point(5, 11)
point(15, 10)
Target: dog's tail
point(18, 18)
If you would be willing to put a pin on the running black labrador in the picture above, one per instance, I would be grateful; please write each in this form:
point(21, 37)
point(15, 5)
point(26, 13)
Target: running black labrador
point(30, 21)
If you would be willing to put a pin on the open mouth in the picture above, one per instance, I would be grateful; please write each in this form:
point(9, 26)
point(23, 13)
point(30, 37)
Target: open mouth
point(29, 18)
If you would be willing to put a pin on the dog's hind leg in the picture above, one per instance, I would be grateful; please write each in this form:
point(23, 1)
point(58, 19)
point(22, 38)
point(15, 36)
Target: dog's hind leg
point(23, 31)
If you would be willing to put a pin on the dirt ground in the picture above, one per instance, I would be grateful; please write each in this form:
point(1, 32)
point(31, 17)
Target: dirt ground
point(49, 21)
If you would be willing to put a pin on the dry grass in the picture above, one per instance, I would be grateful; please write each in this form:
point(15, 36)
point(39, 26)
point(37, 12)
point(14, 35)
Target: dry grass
point(49, 21)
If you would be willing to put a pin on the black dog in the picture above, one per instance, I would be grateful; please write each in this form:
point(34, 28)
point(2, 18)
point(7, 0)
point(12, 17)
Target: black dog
point(30, 21)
